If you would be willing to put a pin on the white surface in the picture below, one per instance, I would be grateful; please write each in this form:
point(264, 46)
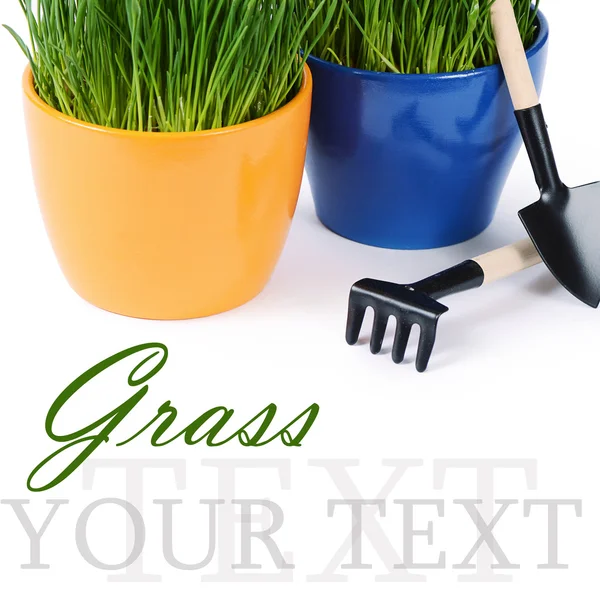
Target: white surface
point(514, 376)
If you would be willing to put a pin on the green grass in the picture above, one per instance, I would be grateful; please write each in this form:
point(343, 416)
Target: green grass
point(170, 65)
point(415, 36)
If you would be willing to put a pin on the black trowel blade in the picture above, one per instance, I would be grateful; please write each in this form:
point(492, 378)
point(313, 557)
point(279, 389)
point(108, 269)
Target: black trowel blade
point(565, 228)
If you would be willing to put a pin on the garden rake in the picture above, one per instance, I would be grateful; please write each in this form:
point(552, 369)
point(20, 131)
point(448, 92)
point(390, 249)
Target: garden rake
point(417, 303)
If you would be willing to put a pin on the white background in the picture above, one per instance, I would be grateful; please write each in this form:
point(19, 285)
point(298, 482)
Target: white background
point(514, 376)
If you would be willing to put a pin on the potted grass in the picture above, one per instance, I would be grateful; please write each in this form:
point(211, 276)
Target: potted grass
point(168, 140)
point(412, 134)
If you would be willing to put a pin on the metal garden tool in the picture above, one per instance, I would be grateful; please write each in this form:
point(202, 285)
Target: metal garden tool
point(417, 303)
point(564, 224)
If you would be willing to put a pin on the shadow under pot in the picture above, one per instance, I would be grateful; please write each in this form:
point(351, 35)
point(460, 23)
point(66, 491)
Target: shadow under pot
point(168, 225)
point(413, 161)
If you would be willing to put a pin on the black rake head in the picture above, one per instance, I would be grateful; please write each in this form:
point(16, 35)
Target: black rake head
point(407, 305)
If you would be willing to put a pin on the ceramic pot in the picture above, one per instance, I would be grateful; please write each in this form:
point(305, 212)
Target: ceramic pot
point(412, 161)
point(168, 226)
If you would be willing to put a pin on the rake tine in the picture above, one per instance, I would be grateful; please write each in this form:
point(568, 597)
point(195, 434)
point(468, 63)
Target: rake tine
point(356, 316)
point(379, 328)
point(401, 339)
point(426, 344)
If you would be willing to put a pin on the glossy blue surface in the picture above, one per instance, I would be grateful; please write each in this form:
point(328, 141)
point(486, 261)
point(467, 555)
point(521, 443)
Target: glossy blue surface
point(412, 161)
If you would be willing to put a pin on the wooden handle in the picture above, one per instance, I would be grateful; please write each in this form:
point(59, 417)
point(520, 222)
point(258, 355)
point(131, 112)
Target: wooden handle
point(509, 260)
point(512, 55)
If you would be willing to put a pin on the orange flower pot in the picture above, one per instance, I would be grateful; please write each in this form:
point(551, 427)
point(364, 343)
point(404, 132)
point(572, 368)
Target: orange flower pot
point(168, 226)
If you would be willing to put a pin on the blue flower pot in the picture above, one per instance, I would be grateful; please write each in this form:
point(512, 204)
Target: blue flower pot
point(412, 161)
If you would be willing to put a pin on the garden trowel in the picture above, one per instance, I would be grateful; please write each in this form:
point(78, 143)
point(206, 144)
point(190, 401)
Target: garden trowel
point(564, 224)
